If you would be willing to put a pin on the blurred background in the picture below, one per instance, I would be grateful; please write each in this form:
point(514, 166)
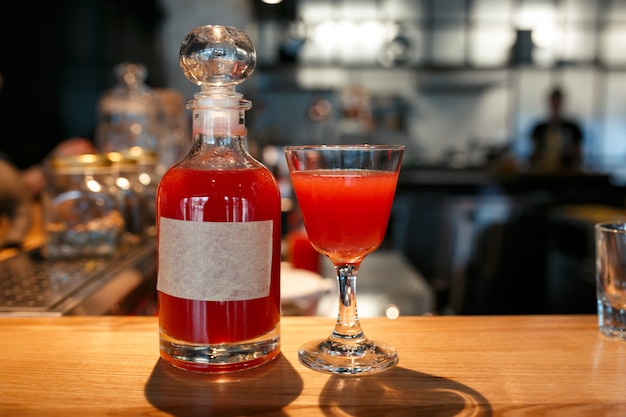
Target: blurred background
point(454, 79)
point(462, 83)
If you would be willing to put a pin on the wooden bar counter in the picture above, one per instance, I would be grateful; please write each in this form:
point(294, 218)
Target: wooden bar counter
point(449, 366)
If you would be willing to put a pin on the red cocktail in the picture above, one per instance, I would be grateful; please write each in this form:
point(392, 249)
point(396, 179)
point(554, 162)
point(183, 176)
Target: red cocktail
point(345, 194)
point(337, 204)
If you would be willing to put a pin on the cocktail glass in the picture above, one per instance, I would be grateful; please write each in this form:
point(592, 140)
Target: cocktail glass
point(345, 194)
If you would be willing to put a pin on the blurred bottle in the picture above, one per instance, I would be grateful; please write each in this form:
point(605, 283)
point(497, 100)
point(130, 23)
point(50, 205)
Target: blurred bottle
point(129, 115)
point(300, 252)
point(175, 141)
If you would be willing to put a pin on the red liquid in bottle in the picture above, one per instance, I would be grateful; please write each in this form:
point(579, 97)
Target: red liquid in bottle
point(229, 195)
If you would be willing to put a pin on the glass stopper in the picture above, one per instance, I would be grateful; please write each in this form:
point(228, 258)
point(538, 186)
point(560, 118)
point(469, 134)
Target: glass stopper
point(130, 75)
point(217, 58)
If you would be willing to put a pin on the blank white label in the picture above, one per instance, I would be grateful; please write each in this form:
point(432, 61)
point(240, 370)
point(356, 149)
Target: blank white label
point(215, 261)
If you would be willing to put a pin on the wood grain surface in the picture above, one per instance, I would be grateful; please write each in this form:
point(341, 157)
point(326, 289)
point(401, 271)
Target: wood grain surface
point(449, 366)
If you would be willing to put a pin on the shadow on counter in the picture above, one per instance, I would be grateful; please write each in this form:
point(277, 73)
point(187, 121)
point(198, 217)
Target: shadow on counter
point(418, 393)
point(268, 389)
point(264, 390)
point(401, 391)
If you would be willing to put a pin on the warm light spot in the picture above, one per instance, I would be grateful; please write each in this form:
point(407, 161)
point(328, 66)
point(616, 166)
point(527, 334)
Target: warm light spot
point(392, 312)
point(271, 155)
point(93, 185)
point(145, 179)
point(123, 183)
point(136, 129)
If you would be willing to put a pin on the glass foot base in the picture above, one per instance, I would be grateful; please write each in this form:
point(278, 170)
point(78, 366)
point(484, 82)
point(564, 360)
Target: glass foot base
point(220, 357)
point(331, 356)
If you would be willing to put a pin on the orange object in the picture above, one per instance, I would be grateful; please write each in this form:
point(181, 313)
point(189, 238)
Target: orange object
point(301, 252)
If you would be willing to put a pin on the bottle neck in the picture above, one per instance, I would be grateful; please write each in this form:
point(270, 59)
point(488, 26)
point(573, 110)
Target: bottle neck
point(219, 139)
point(214, 126)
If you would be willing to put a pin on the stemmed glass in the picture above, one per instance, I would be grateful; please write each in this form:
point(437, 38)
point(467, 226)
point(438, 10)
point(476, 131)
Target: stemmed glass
point(345, 194)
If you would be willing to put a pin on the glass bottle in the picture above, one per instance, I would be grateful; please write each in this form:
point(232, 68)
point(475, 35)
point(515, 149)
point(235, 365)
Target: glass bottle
point(218, 223)
point(81, 211)
point(175, 138)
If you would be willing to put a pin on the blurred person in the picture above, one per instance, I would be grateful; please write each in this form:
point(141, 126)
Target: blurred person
point(34, 177)
point(19, 188)
point(557, 141)
point(15, 206)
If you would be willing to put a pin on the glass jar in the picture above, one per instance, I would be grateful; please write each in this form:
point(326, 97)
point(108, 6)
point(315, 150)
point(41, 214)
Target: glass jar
point(149, 178)
point(82, 217)
point(130, 195)
point(129, 115)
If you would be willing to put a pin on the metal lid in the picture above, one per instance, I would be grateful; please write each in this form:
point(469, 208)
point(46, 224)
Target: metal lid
point(90, 160)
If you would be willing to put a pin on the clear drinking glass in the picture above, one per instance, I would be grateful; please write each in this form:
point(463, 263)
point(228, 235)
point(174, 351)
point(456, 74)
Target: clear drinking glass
point(345, 194)
point(611, 278)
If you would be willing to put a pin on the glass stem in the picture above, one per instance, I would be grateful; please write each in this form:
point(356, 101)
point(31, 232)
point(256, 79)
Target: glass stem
point(347, 326)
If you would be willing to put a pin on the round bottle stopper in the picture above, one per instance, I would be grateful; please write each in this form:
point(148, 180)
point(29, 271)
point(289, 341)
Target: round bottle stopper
point(217, 58)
